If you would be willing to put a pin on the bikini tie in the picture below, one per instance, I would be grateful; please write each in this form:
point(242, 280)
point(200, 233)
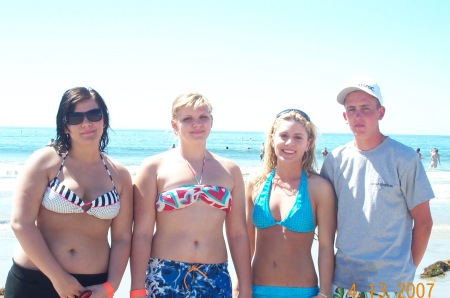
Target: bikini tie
point(193, 268)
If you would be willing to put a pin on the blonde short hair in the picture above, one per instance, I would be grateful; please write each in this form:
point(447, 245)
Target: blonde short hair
point(189, 100)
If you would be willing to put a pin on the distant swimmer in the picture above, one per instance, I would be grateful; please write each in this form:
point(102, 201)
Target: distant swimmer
point(435, 158)
point(261, 152)
point(324, 152)
point(418, 153)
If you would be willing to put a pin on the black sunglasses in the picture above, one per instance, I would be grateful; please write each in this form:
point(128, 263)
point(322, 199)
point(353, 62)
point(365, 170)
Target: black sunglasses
point(304, 115)
point(75, 118)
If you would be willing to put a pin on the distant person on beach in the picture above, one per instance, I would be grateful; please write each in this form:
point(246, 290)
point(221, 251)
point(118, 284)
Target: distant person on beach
point(69, 196)
point(435, 158)
point(384, 220)
point(285, 203)
point(324, 152)
point(182, 200)
point(261, 152)
point(418, 153)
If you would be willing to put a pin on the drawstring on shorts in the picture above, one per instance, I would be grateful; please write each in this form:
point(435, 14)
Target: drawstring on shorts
point(193, 268)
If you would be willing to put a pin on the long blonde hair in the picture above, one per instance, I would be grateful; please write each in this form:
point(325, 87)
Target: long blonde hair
point(269, 162)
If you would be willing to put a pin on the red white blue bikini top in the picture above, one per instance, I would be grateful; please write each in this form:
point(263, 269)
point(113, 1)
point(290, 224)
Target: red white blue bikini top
point(184, 196)
point(60, 199)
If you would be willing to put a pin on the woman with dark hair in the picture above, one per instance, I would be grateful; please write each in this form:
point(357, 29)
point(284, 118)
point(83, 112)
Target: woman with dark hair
point(68, 199)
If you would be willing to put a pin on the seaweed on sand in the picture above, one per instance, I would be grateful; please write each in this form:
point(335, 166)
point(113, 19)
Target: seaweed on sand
point(436, 269)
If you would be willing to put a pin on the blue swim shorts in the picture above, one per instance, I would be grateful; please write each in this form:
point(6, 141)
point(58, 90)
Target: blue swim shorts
point(280, 292)
point(165, 278)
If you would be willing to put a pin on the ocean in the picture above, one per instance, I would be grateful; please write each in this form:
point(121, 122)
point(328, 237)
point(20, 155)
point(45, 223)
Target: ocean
point(130, 147)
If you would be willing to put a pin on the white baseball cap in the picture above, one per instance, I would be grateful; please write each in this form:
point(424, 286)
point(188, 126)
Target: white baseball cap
point(365, 84)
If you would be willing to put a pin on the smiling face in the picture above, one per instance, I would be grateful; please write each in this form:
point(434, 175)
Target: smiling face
point(290, 141)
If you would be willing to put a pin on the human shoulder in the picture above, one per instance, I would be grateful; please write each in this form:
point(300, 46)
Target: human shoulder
point(318, 183)
point(118, 168)
point(155, 160)
point(320, 188)
point(225, 162)
point(399, 149)
point(44, 157)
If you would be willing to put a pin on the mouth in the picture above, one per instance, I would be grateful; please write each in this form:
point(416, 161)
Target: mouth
point(288, 151)
point(90, 132)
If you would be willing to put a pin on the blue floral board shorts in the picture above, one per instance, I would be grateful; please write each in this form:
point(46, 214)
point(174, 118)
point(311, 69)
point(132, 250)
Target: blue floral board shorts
point(165, 278)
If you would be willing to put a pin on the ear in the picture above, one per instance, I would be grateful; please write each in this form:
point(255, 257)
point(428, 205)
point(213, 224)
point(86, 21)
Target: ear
point(381, 112)
point(174, 126)
point(212, 120)
point(344, 114)
point(308, 145)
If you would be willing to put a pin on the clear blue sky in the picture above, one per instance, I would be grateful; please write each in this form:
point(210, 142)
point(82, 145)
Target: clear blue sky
point(250, 58)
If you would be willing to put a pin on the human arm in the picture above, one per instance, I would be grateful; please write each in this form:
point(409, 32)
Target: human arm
point(144, 194)
point(423, 223)
point(237, 235)
point(121, 231)
point(30, 187)
point(250, 227)
point(249, 205)
point(324, 197)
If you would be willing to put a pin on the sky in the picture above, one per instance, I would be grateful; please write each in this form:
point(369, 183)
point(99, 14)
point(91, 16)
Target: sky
point(251, 59)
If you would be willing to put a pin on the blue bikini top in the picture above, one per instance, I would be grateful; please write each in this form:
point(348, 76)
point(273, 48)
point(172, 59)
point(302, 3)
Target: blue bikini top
point(299, 219)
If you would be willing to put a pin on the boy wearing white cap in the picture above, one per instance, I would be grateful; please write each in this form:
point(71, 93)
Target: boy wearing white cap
point(384, 220)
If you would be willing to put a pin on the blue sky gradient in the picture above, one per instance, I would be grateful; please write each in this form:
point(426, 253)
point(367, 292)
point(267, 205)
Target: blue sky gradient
point(252, 59)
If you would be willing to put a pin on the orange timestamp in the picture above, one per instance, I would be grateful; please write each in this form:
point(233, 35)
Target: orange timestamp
point(409, 290)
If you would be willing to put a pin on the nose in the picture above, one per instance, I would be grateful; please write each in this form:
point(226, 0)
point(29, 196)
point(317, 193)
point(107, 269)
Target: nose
point(86, 121)
point(197, 122)
point(289, 141)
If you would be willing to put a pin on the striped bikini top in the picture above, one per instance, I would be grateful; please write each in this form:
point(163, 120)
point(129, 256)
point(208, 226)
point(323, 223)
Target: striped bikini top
point(184, 196)
point(60, 199)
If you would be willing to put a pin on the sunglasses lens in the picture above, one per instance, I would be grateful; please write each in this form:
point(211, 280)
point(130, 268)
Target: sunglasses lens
point(76, 118)
point(94, 115)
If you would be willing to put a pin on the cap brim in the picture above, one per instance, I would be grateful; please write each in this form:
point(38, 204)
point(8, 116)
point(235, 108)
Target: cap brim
point(341, 96)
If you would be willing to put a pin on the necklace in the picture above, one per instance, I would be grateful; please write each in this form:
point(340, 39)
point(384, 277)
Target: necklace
point(199, 181)
point(285, 187)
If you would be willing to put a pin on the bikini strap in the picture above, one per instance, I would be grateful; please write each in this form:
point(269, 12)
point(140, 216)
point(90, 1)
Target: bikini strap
point(107, 170)
point(265, 190)
point(62, 163)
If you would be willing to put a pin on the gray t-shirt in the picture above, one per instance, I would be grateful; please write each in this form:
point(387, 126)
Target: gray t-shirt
point(375, 190)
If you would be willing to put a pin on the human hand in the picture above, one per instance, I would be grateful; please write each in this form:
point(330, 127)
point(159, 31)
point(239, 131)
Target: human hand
point(67, 286)
point(97, 291)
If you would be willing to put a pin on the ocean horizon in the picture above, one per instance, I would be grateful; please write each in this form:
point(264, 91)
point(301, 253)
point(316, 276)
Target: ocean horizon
point(131, 146)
